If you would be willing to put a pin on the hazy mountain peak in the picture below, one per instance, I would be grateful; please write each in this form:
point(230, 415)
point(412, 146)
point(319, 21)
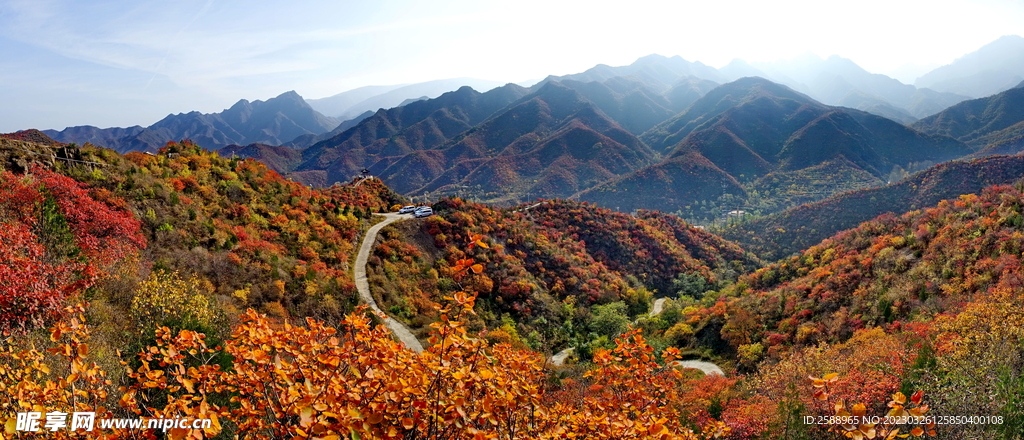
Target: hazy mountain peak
point(836, 61)
point(412, 100)
point(349, 104)
point(656, 72)
point(994, 67)
point(756, 85)
point(738, 68)
point(553, 87)
point(655, 56)
point(1002, 43)
point(290, 98)
point(753, 90)
point(291, 94)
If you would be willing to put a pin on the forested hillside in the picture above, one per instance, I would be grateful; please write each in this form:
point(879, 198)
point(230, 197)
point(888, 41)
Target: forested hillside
point(139, 267)
point(927, 301)
point(257, 239)
point(552, 271)
point(780, 235)
point(980, 122)
point(185, 284)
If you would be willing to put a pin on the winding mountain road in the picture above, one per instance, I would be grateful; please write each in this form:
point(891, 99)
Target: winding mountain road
point(397, 328)
point(406, 337)
point(558, 359)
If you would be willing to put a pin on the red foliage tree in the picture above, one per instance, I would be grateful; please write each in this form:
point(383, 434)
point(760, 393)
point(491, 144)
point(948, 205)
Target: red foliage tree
point(55, 240)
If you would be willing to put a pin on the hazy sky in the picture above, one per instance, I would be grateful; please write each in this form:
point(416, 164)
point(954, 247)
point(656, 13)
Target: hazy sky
point(128, 62)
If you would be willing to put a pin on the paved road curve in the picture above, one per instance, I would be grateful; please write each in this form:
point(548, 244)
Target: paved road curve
point(659, 305)
point(401, 332)
point(559, 358)
point(707, 367)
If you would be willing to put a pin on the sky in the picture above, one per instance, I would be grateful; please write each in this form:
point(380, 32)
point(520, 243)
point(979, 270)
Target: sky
point(132, 62)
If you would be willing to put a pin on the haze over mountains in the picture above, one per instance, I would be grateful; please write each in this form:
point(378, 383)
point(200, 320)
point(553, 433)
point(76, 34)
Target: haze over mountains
point(350, 104)
point(995, 67)
point(656, 72)
point(839, 81)
point(661, 133)
point(833, 81)
point(752, 134)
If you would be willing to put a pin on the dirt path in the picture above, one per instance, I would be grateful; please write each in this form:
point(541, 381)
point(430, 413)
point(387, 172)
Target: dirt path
point(659, 305)
point(401, 332)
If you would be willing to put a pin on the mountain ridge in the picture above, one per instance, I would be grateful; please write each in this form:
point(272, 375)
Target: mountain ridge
point(753, 128)
point(781, 234)
point(542, 135)
point(275, 121)
point(993, 68)
point(980, 122)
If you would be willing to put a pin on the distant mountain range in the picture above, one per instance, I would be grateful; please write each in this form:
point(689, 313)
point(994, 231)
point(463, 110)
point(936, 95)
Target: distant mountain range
point(832, 81)
point(392, 133)
point(655, 72)
point(621, 144)
point(274, 121)
point(551, 143)
point(755, 134)
point(995, 67)
point(661, 133)
point(507, 142)
point(840, 81)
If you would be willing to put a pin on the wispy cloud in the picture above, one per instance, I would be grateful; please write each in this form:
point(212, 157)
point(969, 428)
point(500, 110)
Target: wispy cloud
point(200, 48)
point(174, 40)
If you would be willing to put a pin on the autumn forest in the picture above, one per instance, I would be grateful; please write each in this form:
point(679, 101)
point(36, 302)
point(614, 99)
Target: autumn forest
point(185, 284)
point(662, 250)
